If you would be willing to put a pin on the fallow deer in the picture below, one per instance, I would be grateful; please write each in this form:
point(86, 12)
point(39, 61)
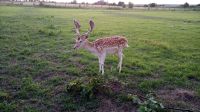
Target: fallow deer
point(100, 47)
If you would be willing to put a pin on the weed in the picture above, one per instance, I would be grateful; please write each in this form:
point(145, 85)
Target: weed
point(84, 89)
point(7, 107)
point(130, 97)
point(4, 95)
point(151, 105)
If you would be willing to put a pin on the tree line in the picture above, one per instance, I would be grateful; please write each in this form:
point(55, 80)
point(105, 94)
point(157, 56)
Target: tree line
point(120, 3)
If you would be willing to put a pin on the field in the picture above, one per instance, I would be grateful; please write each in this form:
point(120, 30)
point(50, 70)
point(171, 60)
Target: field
point(37, 60)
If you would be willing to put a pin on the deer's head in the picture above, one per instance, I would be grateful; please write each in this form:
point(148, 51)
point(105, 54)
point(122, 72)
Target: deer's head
point(81, 38)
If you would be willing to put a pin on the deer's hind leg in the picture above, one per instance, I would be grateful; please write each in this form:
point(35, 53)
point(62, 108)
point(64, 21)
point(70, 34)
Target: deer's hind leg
point(101, 62)
point(99, 65)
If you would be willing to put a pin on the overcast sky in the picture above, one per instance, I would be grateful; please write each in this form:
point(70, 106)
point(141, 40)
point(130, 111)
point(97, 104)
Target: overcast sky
point(139, 1)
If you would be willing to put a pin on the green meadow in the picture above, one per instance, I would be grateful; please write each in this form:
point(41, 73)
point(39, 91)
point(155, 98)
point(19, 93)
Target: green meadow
point(38, 62)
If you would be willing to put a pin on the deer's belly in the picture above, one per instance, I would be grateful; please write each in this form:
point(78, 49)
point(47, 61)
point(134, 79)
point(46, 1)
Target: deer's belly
point(111, 50)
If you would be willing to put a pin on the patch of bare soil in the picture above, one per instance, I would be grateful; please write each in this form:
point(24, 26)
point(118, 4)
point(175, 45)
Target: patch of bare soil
point(172, 96)
point(115, 86)
point(108, 105)
point(177, 94)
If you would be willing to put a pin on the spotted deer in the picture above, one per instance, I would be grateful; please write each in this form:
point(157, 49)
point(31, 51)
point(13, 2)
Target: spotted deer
point(100, 47)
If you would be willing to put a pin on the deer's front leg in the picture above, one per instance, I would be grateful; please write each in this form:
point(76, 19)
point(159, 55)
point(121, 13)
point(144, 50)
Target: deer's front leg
point(101, 61)
point(120, 56)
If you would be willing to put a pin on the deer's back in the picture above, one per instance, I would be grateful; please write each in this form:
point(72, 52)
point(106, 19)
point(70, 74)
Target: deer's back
point(113, 41)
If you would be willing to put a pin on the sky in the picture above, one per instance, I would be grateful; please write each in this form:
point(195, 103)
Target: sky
point(139, 1)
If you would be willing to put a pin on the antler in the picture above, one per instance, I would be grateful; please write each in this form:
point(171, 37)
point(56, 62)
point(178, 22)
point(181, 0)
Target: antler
point(77, 26)
point(91, 26)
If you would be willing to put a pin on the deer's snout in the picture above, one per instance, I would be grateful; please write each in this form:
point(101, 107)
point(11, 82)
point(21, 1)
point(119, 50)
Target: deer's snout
point(76, 46)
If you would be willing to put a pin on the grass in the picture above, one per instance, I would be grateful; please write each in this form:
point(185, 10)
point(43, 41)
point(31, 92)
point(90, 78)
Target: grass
point(37, 60)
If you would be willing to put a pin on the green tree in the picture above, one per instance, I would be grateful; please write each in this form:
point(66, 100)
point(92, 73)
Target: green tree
point(185, 5)
point(74, 2)
point(121, 3)
point(130, 5)
point(152, 4)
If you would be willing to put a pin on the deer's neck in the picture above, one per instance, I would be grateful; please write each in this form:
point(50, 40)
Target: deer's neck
point(90, 47)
